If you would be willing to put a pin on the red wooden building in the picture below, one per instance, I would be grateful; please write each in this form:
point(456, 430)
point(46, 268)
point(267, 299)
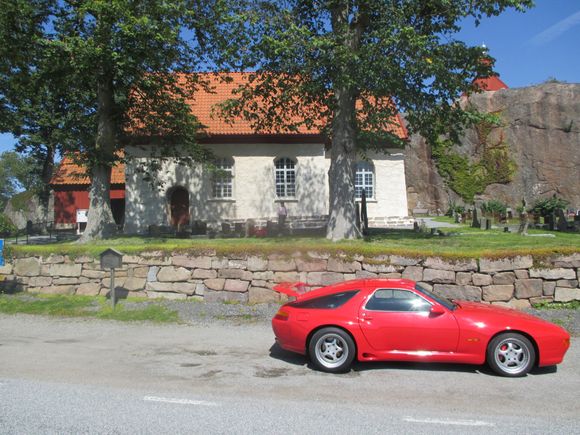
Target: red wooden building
point(71, 194)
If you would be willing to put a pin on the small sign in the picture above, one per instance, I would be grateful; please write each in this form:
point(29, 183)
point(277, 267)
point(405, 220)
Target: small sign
point(82, 216)
point(1, 252)
point(111, 259)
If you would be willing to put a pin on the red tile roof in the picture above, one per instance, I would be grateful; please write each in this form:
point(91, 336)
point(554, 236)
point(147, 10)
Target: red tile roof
point(203, 107)
point(70, 173)
point(204, 103)
point(493, 83)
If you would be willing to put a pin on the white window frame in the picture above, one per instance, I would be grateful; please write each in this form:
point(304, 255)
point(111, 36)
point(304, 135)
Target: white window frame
point(364, 170)
point(285, 178)
point(222, 186)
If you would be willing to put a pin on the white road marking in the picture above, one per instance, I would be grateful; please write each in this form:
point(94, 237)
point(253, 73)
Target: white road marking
point(179, 401)
point(448, 422)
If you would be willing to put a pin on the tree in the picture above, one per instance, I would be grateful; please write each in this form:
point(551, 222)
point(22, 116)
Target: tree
point(17, 173)
point(37, 99)
point(128, 67)
point(347, 66)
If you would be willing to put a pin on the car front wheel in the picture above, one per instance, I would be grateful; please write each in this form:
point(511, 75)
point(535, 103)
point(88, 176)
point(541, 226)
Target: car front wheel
point(511, 355)
point(331, 350)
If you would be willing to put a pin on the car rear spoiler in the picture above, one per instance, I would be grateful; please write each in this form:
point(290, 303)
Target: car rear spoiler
point(295, 289)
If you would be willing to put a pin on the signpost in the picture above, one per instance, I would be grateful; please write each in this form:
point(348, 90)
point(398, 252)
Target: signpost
point(82, 218)
point(112, 259)
point(1, 252)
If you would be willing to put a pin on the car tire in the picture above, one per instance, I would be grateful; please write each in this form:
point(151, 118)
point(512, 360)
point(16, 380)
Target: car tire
point(332, 350)
point(511, 354)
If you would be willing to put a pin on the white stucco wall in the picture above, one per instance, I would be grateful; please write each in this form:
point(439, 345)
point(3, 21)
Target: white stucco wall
point(390, 187)
point(254, 188)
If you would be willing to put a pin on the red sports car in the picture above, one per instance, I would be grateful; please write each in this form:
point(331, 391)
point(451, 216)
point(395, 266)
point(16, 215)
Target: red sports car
point(398, 320)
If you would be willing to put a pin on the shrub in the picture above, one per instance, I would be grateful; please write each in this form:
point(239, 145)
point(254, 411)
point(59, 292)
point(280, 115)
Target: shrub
point(547, 206)
point(6, 226)
point(494, 207)
point(455, 208)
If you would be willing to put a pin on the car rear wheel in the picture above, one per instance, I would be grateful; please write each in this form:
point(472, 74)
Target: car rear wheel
point(331, 350)
point(511, 355)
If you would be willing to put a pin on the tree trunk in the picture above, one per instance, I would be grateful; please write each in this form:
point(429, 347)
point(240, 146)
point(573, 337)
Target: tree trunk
point(47, 171)
point(342, 219)
point(100, 222)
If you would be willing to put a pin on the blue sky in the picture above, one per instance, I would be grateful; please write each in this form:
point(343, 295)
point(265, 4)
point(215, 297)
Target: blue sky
point(529, 48)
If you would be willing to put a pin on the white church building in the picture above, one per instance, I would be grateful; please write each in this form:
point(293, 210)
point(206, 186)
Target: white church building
point(254, 174)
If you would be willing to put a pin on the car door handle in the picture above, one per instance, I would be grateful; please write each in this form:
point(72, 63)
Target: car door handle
point(367, 317)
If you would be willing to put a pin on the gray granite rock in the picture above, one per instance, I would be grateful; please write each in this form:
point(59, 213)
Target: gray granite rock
point(439, 276)
point(529, 288)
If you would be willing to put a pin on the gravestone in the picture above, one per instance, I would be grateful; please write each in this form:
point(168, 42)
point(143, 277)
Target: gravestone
point(239, 229)
point(562, 221)
point(523, 229)
point(271, 228)
point(475, 223)
point(551, 221)
point(226, 229)
point(483, 223)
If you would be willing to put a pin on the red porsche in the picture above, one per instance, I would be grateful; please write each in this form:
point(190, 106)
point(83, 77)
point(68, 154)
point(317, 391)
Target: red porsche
point(398, 320)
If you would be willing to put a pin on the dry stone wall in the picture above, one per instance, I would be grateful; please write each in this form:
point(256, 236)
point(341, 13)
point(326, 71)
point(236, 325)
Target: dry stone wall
point(517, 282)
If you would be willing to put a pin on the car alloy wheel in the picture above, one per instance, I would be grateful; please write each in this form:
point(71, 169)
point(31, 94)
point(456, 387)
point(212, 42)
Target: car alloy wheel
point(511, 355)
point(332, 350)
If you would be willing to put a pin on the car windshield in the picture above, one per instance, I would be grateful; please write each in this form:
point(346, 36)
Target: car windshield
point(438, 298)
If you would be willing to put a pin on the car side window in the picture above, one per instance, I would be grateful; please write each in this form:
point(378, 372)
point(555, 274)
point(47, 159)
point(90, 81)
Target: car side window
point(397, 300)
point(332, 301)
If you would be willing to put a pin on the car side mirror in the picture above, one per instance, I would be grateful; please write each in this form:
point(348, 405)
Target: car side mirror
point(437, 310)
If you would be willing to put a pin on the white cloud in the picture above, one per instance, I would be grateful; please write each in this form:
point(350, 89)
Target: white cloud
point(556, 30)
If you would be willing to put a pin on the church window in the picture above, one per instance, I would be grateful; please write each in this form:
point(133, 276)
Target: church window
point(285, 177)
point(364, 179)
point(223, 178)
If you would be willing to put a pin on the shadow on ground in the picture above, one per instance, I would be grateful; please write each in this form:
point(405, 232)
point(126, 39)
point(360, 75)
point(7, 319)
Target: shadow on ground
point(278, 353)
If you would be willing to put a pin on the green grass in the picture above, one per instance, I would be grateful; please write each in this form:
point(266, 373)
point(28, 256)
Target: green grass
point(151, 313)
point(444, 219)
point(573, 305)
point(82, 306)
point(460, 242)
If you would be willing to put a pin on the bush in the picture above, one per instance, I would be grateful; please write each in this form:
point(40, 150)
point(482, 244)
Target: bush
point(547, 206)
point(6, 226)
point(455, 208)
point(494, 207)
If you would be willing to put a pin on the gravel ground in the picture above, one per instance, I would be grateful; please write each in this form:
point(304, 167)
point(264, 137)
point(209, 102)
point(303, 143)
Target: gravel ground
point(203, 313)
point(207, 312)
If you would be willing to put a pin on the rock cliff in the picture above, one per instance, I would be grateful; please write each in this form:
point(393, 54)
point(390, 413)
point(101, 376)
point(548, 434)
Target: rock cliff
point(540, 125)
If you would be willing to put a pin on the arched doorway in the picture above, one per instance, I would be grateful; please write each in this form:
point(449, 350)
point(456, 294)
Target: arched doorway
point(179, 207)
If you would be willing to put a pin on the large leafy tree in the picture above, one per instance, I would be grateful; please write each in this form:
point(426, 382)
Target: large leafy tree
point(126, 67)
point(34, 95)
point(347, 67)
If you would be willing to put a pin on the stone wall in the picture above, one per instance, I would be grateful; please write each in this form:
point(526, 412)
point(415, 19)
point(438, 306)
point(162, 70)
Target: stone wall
point(516, 282)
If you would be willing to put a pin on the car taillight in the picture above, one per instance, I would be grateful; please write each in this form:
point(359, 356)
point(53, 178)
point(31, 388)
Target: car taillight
point(282, 315)
point(567, 342)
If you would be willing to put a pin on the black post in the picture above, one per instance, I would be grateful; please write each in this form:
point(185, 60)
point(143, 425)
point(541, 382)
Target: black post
point(363, 213)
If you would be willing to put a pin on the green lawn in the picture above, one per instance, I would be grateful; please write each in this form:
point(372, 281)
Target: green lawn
point(461, 242)
point(82, 306)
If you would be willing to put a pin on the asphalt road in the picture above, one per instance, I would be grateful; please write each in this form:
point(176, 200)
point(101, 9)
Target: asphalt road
point(87, 376)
